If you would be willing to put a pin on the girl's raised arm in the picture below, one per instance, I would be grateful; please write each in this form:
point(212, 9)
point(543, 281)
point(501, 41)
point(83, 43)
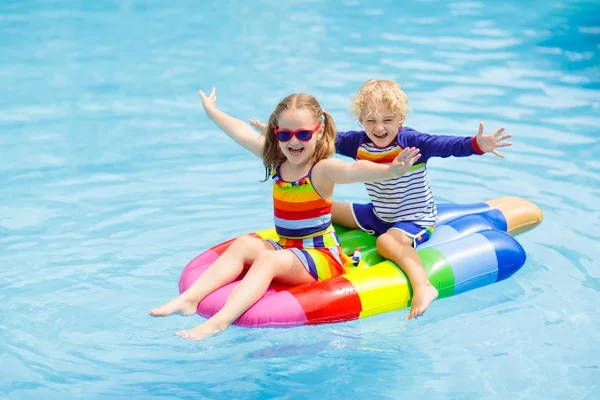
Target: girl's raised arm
point(236, 129)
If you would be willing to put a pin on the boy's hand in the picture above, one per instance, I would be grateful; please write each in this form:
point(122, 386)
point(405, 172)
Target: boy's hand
point(488, 143)
point(259, 126)
point(404, 161)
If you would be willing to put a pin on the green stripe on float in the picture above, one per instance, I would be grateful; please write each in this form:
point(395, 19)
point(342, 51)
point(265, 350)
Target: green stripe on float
point(356, 239)
point(438, 271)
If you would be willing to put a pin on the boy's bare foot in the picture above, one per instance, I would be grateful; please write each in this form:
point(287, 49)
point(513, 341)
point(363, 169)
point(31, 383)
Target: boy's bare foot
point(179, 305)
point(422, 297)
point(203, 331)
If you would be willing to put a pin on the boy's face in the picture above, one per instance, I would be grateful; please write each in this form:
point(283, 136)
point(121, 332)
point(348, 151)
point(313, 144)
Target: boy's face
point(380, 124)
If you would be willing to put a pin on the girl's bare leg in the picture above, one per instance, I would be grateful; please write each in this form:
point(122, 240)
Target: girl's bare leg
point(225, 269)
point(282, 266)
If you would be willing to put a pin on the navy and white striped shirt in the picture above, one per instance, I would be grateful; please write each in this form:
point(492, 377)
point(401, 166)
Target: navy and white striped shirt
point(409, 197)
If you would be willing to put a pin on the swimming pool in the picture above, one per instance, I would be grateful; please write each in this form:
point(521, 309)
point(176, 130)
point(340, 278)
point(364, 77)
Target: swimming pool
point(112, 180)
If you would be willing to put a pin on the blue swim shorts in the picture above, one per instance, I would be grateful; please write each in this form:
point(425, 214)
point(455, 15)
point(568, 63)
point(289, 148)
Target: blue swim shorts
point(365, 218)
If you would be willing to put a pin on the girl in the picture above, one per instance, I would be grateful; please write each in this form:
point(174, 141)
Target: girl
point(296, 150)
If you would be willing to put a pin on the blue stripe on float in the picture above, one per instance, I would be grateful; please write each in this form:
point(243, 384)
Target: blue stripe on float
point(441, 234)
point(497, 219)
point(492, 219)
point(465, 225)
point(447, 212)
point(473, 261)
point(510, 254)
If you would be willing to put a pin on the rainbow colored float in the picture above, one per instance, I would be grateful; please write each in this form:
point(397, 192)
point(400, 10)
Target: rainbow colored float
point(471, 247)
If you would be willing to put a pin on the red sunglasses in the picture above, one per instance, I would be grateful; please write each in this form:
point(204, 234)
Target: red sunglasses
point(303, 135)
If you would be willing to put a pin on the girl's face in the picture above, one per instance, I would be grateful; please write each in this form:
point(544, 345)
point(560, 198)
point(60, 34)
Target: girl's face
point(381, 125)
point(298, 132)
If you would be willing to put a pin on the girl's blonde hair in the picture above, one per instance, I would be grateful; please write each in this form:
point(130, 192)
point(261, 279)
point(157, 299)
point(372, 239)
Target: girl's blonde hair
point(389, 93)
point(273, 156)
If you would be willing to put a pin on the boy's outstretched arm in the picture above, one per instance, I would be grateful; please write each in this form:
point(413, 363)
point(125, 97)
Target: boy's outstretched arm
point(488, 143)
point(458, 146)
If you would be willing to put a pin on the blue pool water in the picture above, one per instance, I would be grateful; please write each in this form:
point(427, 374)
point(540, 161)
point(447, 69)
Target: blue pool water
point(112, 179)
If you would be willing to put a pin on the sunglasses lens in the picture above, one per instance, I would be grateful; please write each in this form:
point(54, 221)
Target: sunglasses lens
point(304, 136)
point(284, 136)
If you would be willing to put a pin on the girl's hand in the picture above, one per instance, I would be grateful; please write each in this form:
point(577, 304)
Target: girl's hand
point(259, 126)
point(488, 143)
point(404, 161)
point(209, 103)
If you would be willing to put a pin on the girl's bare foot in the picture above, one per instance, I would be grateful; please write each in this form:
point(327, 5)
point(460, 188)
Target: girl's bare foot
point(179, 305)
point(422, 297)
point(203, 331)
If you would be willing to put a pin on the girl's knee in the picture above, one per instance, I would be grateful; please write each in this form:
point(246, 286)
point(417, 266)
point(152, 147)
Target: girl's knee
point(275, 263)
point(267, 262)
point(246, 247)
point(244, 241)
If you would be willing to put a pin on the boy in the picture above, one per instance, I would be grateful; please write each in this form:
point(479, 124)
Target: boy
point(402, 211)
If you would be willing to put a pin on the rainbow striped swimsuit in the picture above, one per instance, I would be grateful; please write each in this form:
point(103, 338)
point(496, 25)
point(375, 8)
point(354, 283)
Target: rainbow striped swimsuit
point(303, 223)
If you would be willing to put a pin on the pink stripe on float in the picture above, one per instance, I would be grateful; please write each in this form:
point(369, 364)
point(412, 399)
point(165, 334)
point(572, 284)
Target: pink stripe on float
point(279, 309)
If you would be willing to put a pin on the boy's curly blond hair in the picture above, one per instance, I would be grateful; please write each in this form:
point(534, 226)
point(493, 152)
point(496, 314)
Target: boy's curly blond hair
point(389, 93)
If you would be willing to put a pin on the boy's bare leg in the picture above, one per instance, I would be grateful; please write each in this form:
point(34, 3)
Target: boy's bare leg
point(397, 247)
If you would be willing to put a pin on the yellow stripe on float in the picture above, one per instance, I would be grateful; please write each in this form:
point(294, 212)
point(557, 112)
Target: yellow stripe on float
point(268, 234)
point(381, 288)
